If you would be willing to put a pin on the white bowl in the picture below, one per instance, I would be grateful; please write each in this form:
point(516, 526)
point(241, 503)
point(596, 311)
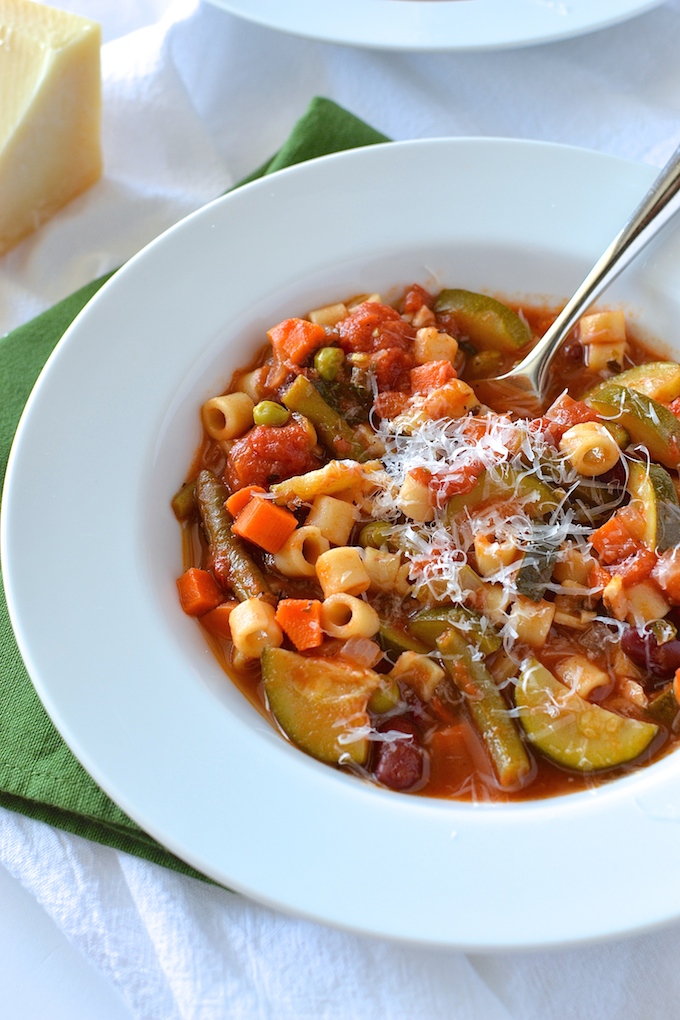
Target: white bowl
point(91, 550)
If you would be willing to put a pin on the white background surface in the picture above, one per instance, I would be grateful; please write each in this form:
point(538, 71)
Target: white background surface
point(189, 109)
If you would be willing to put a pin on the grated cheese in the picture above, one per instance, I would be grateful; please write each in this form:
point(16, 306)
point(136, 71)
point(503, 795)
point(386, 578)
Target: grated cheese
point(439, 553)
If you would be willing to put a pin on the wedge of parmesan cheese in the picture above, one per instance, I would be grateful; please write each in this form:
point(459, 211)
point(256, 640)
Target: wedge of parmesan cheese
point(50, 110)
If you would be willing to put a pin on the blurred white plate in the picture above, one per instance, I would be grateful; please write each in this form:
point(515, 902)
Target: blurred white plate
point(437, 24)
point(91, 549)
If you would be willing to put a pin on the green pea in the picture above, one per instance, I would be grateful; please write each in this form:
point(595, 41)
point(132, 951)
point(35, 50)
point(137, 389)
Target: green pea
point(268, 412)
point(328, 362)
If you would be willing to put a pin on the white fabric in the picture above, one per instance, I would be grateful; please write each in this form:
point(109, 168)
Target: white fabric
point(195, 99)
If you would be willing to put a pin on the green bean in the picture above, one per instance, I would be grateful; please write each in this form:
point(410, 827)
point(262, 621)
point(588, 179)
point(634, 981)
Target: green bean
point(488, 709)
point(183, 503)
point(231, 563)
point(328, 361)
point(333, 431)
point(430, 624)
point(268, 412)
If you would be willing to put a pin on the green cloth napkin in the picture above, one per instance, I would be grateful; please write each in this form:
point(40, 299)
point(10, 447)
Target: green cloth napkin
point(39, 776)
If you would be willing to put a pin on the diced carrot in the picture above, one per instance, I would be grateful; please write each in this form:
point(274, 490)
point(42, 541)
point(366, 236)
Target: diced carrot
point(301, 621)
point(238, 500)
point(431, 376)
point(613, 541)
point(295, 339)
point(217, 620)
point(199, 592)
point(454, 759)
point(637, 567)
point(598, 577)
point(265, 524)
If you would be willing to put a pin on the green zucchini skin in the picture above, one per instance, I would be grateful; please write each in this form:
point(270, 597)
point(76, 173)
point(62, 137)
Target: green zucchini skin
point(652, 491)
point(570, 730)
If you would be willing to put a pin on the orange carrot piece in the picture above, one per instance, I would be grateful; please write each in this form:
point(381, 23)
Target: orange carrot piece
point(217, 620)
point(295, 339)
point(300, 619)
point(613, 541)
point(431, 376)
point(264, 524)
point(637, 567)
point(238, 500)
point(199, 592)
point(598, 577)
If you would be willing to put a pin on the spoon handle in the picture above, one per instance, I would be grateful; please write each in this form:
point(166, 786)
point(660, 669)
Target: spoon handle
point(660, 203)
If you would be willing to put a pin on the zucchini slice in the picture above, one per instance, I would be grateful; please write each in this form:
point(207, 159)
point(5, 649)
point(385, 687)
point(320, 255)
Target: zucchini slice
point(653, 492)
point(572, 731)
point(645, 420)
point(659, 380)
point(319, 703)
point(489, 324)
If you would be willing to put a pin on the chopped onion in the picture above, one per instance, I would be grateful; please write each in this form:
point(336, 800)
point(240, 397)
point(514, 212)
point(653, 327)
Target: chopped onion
point(363, 651)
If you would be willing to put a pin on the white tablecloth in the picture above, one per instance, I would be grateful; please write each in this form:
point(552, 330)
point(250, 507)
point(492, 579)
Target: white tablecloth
point(195, 99)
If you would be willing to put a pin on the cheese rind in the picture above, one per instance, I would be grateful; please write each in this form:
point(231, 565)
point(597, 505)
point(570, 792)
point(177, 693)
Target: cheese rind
point(50, 114)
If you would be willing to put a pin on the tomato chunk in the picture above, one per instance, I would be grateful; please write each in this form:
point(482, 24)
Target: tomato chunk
point(269, 454)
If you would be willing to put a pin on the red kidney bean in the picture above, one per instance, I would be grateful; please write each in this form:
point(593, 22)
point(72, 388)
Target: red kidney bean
point(616, 476)
point(572, 350)
point(399, 763)
point(659, 661)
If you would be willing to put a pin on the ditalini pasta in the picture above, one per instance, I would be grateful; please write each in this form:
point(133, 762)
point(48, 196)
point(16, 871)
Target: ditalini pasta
point(419, 577)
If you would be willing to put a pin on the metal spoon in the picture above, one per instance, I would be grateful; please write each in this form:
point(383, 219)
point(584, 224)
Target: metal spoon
point(661, 202)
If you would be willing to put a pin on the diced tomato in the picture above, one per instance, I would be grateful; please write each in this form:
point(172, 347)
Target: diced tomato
point(267, 454)
point(456, 482)
point(390, 403)
point(374, 327)
point(567, 411)
point(414, 299)
point(392, 367)
point(666, 573)
point(431, 376)
point(552, 431)
point(674, 407)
